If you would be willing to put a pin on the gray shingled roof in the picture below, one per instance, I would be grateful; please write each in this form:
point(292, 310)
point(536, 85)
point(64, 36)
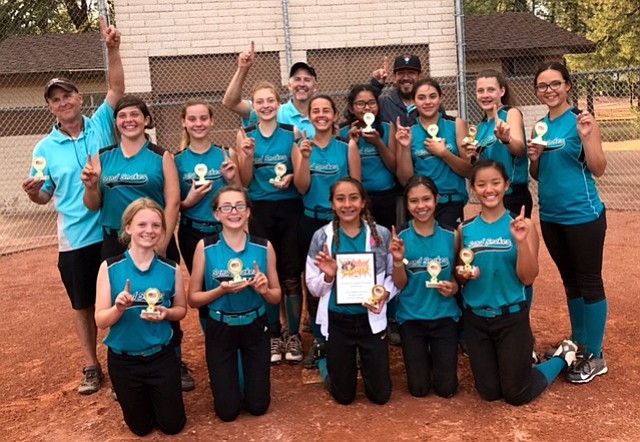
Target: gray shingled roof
point(519, 33)
point(51, 53)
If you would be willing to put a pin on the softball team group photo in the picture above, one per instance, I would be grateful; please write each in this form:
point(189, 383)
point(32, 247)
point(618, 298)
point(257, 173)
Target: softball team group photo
point(274, 231)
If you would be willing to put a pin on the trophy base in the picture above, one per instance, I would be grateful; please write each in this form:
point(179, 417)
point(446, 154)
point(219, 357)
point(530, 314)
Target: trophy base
point(236, 283)
point(146, 314)
point(370, 303)
point(367, 130)
point(41, 178)
point(201, 183)
point(539, 142)
point(433, 285)
point(471, 143)
point(276, 183)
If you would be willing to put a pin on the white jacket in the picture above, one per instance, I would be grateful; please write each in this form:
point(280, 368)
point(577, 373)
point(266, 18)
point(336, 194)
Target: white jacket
point(317, 286)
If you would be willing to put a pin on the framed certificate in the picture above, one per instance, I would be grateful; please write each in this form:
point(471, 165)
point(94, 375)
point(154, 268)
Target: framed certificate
point(356, 277)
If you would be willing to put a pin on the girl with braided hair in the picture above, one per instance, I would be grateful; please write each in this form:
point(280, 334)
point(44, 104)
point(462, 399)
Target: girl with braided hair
point(354, 327)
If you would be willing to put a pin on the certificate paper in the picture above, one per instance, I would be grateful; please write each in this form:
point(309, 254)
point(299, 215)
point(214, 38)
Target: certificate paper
point(356, 276)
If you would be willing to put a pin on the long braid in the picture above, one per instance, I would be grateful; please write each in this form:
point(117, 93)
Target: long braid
point(372, 225)
point(336, 233)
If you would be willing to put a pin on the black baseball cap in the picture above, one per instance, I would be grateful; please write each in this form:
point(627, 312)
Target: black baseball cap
point(407, 62)
point(302, 65)
point(60, 82)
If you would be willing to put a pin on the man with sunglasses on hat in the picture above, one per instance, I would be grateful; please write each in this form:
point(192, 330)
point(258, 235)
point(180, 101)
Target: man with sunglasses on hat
point(58, 161)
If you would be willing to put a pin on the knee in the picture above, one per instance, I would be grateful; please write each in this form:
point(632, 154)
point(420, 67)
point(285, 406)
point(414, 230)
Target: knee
point(258, 408)
point(141, 430)
point(446, 391)
point(489, 395)
point(174, 427)
point(227, 413)
point(419, 390)
point(379, 397)
point(517, 397)
point(342, 399)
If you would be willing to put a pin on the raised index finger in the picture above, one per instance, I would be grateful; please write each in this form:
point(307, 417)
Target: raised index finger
point(521, 212)
point(103, 24)
point(385, 64)
point(256, 267)
point(88, 158)
point(252, 47)
point(393, 231)
point(127, 286)
point(243, 134)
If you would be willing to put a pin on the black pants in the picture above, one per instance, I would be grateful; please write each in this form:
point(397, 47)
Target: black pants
point(450, 214)
point(519, 196)
point(383, 207)
point(430, 350)
point(577, 252)
point(149, 391)
point(188, 238)
point(500, 354)
point(346, 334)
point(222, 343)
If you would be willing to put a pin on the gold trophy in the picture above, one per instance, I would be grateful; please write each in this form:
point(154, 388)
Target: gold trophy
point(378, 292)
point(201, 170)
point(433, 130)
point(369, 119)
point(470, 139)
point(466, 255)
point(235, 267)
point(152, 297)
point(540, 129)
point(434, 268)
point(39, 164)
point(280, 170)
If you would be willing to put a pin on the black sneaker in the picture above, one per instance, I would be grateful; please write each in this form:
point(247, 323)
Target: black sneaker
point(187, 381)
point(586, 369)
point(579, 353)
point(317, 351)
point(91, 380)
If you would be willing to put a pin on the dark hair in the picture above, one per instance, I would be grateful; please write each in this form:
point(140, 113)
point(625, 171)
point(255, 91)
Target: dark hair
point(133, 101)
point(428, 81)
point(553, 66)
point(416, 181)
point(186, 139)
point(324, 97)
point(486, 164)
point(502, 82)
point(230, 188)
point(366, 214)
point(351, 99)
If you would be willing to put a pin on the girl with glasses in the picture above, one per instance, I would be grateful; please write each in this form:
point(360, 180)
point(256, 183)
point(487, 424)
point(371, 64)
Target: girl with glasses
point(234, 276)
point(566, 153)
point(377, 146)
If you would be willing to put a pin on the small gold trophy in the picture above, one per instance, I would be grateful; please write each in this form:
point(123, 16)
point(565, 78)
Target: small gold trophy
point(378, 292)
point(466, 255)
point(235, 267)
point(540, 129)
point(39, 164)
point(470, 139)
point(433, 130)
point(152, 297)
point(281, 170)
point(369, 119)
point(201, 170)
point(434, 268)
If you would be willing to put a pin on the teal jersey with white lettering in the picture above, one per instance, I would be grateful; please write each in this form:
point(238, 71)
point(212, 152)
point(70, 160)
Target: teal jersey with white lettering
point(416, 301)
point(375, 175)
point(186, 161)
point(348, 245)
point(495, 254)
point(327, 165)
point(567, 192)
point(217, 255)
point(517, 167)
point(424, 163)
point(132, 333)
point(269, 151)
point(124, 180)
point(65, 158)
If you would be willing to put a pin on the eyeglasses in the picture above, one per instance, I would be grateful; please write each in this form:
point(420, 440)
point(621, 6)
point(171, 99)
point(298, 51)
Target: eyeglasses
point(554, 86)
point(228, 208)
point(361, 104)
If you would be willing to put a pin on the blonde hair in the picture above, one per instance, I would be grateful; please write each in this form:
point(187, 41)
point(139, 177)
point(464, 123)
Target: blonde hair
point(132, 210)
point(186, 139)
point(266, 85)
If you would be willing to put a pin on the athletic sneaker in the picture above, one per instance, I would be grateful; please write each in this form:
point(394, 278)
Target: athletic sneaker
point(293, 349)
point(579, 354)
point(317, 351)
point(187, 381)
point(567, 351)
point(91, 380)
point(535, 359)
point(277, 346)
point(586, 369)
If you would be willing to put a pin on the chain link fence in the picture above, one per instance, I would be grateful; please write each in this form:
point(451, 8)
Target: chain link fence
point(24, 118)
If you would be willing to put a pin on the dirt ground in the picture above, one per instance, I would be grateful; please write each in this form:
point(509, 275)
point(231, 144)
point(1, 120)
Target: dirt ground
point(41, 363)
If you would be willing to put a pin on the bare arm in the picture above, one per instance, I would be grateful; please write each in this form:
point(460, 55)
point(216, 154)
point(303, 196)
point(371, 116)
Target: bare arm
point(589, 131)
point(232, 99)
point(116, 86)
point(301, 166)
point(404, 163)
point(355, 164)
point(171, 198)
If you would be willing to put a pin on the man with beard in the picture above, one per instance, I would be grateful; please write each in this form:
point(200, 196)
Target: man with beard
point(302, 86)
point(399, 102)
